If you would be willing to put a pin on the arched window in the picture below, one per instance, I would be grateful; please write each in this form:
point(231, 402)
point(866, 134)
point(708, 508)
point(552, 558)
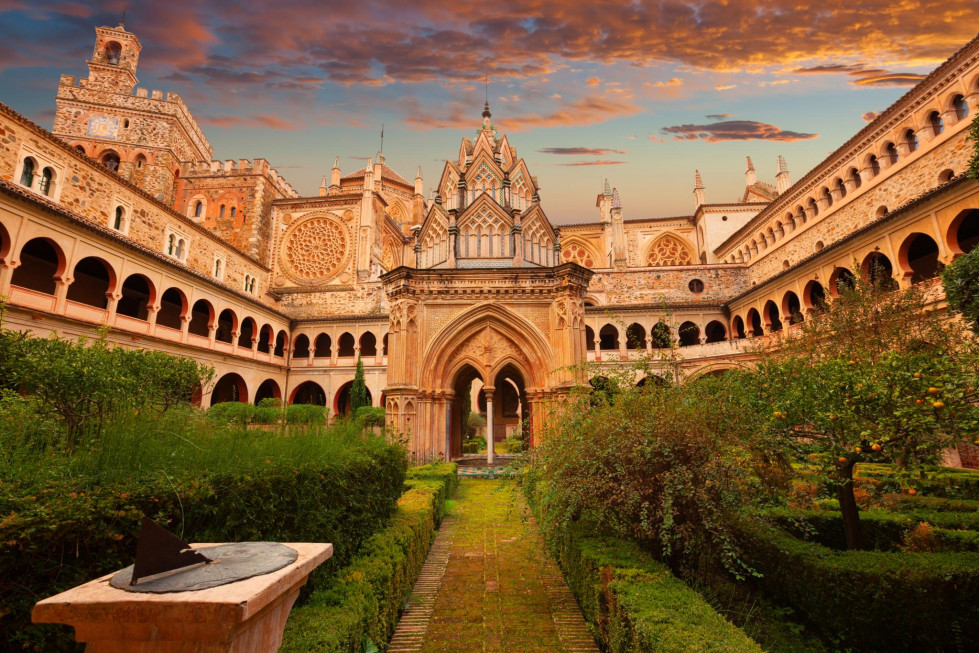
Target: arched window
point(200, 318)
point(172, 307)
point(919, 254)
point(772, 316)
point(589, 338)
point(738, 327)
point(137, 295)
point(793, 307)
point(171, 244)
point(840, 188)
point(251, 286)
point(936, 122)
point(265, 338)
point(345, 345)
point(40, 265)
point(181, 250)
point(911, 139)
point(874, 165)
point(247, 333)
point(827, 197)
point(635, 336)
point(120, 218)
point(659, 335)
point(27, 174)
point(668, 250)
point(842, 280)
point(689, 334)
point(854, 176)
point(44, 185)
point(960, 106)
point(368, 344)
point(218, 268)
point(221, 211)
point(608, 338)
point(878, 270)
point(715, 331)
point(281, 341)
point(111, 160)
point(322, 347)
point(890, 153)
point(812, 207)
point(301, 346)
point(198, 209)
point(815, 295)
point(234, 211)
point(140, 162)
point(754, 323)
point(113, 52)
point(963, 233)
point(92, 283)
point(226, 326)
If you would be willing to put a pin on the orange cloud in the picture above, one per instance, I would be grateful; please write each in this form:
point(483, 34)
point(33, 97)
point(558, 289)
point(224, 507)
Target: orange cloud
point(733, 130)
point(592, 163)
point(263, 121)
point(581, 151)
point(589, 110)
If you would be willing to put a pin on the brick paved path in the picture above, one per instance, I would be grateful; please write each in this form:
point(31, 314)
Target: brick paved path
point(489, 584)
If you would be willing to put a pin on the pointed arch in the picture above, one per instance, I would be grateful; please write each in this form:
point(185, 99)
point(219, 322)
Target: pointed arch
point(576, 250)
point(669, 249)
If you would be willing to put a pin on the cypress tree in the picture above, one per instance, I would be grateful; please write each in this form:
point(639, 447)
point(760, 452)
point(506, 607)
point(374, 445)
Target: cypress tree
point(358, 393)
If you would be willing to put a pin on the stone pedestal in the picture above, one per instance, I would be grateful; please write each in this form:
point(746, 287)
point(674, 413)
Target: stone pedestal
point(247, 616)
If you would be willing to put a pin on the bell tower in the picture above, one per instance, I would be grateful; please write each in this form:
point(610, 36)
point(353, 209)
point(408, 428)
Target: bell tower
point(112, 67)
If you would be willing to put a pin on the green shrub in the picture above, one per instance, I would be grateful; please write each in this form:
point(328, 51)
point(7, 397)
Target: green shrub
point(939, 481)
point(232, 412)
point(631, 601)
point(59, 531)
point(305, 414)
point(871, 601)
point(908, 503)
point(363, 600)
point(370, 416)
point(956, 541)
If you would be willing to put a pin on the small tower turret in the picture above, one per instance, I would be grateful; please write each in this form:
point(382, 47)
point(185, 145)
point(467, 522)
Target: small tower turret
point(782, 181)
point(113, 64)
point(335, 176)
point(323, 187)
point(699, 196)
point(750, 176)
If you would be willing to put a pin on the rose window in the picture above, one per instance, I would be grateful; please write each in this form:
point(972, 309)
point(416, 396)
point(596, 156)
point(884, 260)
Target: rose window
point(575, 253)
point(668, 251)
point(316, 250)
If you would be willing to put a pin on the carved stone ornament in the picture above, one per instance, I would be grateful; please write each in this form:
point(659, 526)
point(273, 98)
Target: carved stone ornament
point(488, 346)
point(316, 249)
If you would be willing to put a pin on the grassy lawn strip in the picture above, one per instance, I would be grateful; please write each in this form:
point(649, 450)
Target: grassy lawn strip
point(363, 600)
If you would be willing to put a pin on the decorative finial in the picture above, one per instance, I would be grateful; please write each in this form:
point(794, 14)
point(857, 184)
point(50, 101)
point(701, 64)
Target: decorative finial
point(751, 166)
point(616, 203)
point(698, 182)
point(608, 189)
point(782, 165)
point(122, 22)
point(418, 175)
point(336, 162)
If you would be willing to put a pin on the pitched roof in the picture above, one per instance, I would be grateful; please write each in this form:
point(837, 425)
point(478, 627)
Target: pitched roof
point(386, 173)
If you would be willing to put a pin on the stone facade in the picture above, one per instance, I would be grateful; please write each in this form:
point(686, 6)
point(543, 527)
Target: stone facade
point(120, 216)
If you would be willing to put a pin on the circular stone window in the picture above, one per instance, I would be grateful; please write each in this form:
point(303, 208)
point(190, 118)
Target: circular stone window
point(315, 250)
point(696, 286)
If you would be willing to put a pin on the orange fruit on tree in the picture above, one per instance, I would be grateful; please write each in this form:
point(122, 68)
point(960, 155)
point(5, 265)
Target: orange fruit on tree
point(919, 401)
point(917, 375)
point(939, 404)
point(842, 459)
point(912, 491)
point(875, 447)
point(858, 449)
point(933, 390)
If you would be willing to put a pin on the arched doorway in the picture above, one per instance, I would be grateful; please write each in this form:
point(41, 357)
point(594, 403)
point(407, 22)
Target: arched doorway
point(268, 390)
point(230, 387)
point(309, 392)
point(503, 405)
point(342, 406)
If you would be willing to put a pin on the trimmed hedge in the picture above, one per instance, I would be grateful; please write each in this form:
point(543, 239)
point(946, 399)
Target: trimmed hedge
point(68, 533)
point(364, 599)
point(871, 601)
point(942, 482)
point(633, 602)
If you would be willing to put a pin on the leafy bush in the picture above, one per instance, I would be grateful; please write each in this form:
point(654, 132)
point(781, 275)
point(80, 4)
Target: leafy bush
point(937, 481)
point(370, 416)
point(305, 414)
point(632, 602)
point(671, 467)
point(364, 599)
point(961, 281)
point(63, 526)
point(233, 413)
point(871, 601)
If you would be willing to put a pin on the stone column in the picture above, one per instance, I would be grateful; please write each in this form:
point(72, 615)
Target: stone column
point(490, 454)
point(453, 238)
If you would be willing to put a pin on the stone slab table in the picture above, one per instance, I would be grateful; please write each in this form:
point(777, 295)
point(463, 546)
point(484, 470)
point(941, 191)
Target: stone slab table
point(247, 616)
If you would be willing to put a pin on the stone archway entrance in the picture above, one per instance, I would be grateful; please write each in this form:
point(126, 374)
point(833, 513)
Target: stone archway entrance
point(503, 405)
point(519, 331)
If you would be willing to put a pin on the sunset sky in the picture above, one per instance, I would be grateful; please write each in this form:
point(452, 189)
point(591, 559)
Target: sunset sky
point(642, 93)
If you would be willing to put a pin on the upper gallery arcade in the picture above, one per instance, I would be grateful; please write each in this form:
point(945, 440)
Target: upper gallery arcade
point(120, 216)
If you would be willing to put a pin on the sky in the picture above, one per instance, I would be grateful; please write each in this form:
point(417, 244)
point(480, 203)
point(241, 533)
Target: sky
point(639, 93)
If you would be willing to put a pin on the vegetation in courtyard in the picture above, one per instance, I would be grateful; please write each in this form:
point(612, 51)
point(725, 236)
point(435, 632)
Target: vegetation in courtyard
point(961, 281)
point(358, 391)
point(872, 377)
point(108, 434)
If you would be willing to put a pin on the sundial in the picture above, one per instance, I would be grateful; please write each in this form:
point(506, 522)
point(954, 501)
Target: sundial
point(165, 563)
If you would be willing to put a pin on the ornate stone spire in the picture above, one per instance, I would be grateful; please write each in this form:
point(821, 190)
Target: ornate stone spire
point(616, 203)
point(782, 181)
point(750, 176)
point(699, 196)
point(608, 189)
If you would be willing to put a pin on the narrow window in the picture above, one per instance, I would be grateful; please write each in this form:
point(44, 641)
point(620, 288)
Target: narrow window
point(891, 153)
point(198, 209)
point(233, 211)
point(912, 140)
point(217, 268)
point(251, 287)
point(874, 165)
point(221, 211)
point(961, 107)
point(117, 225)
point(27, 176)
point(125, 123)
point(171, 244)
point(45, 184)
point(180, 249)
point(113, 52)
point(937, 125)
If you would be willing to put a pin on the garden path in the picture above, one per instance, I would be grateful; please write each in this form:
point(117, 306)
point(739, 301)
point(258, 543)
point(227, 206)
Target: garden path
point(489, 584)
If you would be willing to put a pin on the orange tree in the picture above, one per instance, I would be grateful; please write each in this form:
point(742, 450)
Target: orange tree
point(876, 375)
